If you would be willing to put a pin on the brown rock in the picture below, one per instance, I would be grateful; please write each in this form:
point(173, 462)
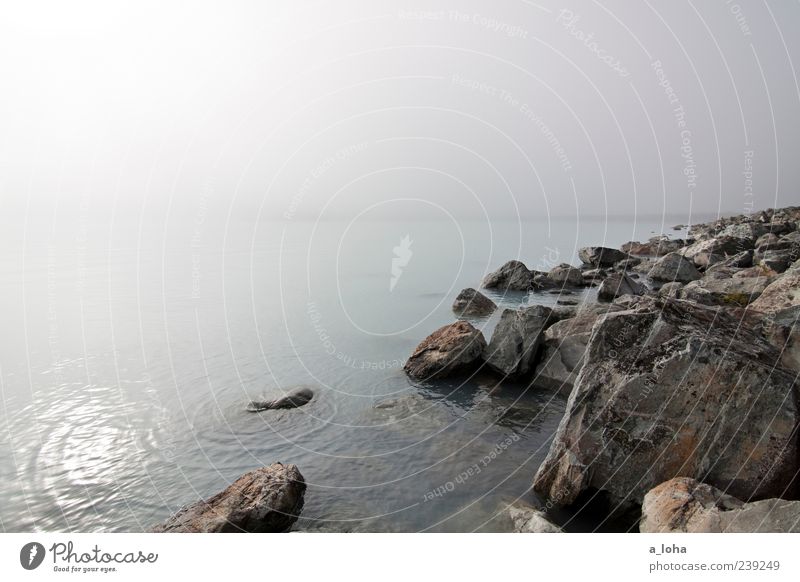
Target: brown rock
point(450, 350)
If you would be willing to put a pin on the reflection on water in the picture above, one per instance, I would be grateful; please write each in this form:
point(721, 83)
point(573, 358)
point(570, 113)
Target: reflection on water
point(126, 375)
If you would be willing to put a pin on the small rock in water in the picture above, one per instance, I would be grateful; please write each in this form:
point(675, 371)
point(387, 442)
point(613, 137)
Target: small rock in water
point(472, 302)
point(294, 399)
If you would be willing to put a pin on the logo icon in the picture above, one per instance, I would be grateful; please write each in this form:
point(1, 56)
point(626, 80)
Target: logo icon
point(31, 555)
point(402, 255)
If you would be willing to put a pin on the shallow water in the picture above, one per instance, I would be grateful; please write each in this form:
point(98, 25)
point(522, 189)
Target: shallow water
point(129, 355)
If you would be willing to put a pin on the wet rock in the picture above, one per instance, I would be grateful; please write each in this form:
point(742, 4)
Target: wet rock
point(600, 256)
point(267, 500)
point(516, 340)
point(512, 276)
point(684, 505)
point(566, 275)
point(531, 520)
point(672, 388)
point(618, 284)
point(674, 267)
point(782, 293)
point(450, 350)
point(293, 399)
point(473, 303)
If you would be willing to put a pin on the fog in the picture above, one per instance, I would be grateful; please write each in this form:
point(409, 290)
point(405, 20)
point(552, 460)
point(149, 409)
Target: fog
point(473, 110)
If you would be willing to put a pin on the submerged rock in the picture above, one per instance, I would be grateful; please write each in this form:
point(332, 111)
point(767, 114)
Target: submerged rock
point(472, 302)
point(516, 340)
point(512, 276)
point(673, 388)
point(674, 267)
point(450, 350)
point(267, 500)
point(685, 505)
point(531, 520)
point(294, 399)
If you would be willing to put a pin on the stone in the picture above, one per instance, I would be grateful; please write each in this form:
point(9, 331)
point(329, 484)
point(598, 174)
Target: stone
point(564, 347)
point(266, 500)
point(674, 267)
point(672, 388)
point(684, 505)
point(295, 398)
point(618, 284)
point(473, 303)
point(450, 350)
point(516, 340)
point(730, 291)
point(741, 260)
point(670, 289)
point(782, 293)
point(701, 252)
point(531, 520)
point(566, 275)
point(748, 231)
point(512, 276)
point(600, 256)
point(655, 247)
point(782, 330)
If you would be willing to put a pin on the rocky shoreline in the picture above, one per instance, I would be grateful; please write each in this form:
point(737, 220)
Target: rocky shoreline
point(682, 377)
point(682, 382)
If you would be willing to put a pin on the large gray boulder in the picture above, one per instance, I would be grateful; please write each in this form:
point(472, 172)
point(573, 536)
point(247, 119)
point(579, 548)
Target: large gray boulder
point(655, 247)
point(684, 505)
point(473, 303)
point(600, 256)
point(512, 276)
point(566, 276)
point(267, 500)
point(737, 292)
point(672, 388)
point(516, 340)
point(450, 350)
point(674, 267)
point(723, 246)
point(782, 293)
point(565, 346)
point(617, 285)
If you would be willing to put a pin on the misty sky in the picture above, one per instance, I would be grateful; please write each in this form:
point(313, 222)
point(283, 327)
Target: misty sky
point(293, 110)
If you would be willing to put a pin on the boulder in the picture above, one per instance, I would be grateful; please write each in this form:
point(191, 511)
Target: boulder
point(782, 293)
point(564, 347)
point(672, 388)
point(513, 276)
point(776, 260)
point(684, 505)
point(674, 267)
point(782, 330)
point(516, 340)
point(473, 303)
point(747, 231)
point(294, 398)
point(566, 275)
point(728, 291)
point(741, 260)
point(655, 247)
point(267, 500)
point(593, 276)
point(600, 256)
point(670, 289)
point(531, 520)
point(702, 252)
point(450, 350)
point(618, 284)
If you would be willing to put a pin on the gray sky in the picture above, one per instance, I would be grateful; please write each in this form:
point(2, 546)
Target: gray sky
point(290, 110)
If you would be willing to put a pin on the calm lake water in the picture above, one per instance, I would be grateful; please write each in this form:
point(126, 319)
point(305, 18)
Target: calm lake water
point(129, 354)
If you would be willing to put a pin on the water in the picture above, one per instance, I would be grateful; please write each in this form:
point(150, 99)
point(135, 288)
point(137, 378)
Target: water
point(130, 352)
